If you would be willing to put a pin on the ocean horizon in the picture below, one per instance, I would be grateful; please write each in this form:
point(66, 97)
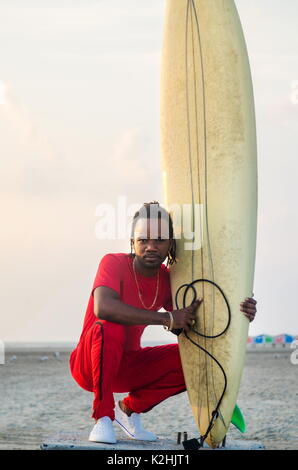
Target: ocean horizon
point(58, 346)
point(26, 347)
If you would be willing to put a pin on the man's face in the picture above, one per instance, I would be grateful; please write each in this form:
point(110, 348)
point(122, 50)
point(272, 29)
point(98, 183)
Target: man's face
point(151, 241)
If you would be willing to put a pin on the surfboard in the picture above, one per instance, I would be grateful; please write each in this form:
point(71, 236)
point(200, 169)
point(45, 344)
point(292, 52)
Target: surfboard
point(209, 155)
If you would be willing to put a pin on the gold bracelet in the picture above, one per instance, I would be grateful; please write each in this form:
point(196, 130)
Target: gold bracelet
point(169, 328)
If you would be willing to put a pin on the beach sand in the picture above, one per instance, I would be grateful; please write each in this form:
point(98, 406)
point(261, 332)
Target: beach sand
point(39, 398)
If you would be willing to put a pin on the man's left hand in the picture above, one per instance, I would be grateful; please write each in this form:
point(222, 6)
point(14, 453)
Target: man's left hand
point(248, 307)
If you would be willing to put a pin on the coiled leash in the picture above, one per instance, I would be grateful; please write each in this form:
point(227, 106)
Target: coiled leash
point(196, 444)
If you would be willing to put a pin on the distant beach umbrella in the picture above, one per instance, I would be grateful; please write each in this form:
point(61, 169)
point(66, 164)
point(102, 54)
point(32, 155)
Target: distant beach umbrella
point(259, 339)
point(268, 339)
point(288, 339)
point(279, 339)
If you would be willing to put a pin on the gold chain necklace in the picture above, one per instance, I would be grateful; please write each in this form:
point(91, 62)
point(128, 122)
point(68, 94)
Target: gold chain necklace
point(139, 293)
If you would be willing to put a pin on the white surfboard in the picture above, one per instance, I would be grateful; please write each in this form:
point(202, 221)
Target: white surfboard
point(210, 166)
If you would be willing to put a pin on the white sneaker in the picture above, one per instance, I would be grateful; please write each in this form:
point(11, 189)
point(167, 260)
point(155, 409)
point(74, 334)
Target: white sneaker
point(132, 425)
point(103, 431)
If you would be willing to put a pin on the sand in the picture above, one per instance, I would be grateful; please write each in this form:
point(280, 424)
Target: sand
point(39, 398)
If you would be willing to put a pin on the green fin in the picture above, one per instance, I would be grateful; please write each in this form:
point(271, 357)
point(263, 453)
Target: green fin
point(238, 419)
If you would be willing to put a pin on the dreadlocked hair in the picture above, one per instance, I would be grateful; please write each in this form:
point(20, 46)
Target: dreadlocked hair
point(154, 210)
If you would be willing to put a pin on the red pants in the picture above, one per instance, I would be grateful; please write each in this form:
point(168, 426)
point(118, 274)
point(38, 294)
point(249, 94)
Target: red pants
point(100, 364)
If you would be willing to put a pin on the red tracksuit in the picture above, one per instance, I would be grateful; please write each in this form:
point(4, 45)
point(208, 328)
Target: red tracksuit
point(109, 358)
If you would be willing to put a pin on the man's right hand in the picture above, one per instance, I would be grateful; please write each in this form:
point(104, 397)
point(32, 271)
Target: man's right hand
point(185, 317)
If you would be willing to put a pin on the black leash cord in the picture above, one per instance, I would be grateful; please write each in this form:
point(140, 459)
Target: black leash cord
point(215, 412)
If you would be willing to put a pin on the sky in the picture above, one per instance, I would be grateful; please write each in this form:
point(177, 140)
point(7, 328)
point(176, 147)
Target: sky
point(79, 126)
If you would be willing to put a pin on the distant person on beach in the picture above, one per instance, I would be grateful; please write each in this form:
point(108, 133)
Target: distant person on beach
point(128, 292)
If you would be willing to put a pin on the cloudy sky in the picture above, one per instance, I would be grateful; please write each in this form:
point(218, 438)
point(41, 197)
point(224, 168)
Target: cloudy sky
point(79, 126)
